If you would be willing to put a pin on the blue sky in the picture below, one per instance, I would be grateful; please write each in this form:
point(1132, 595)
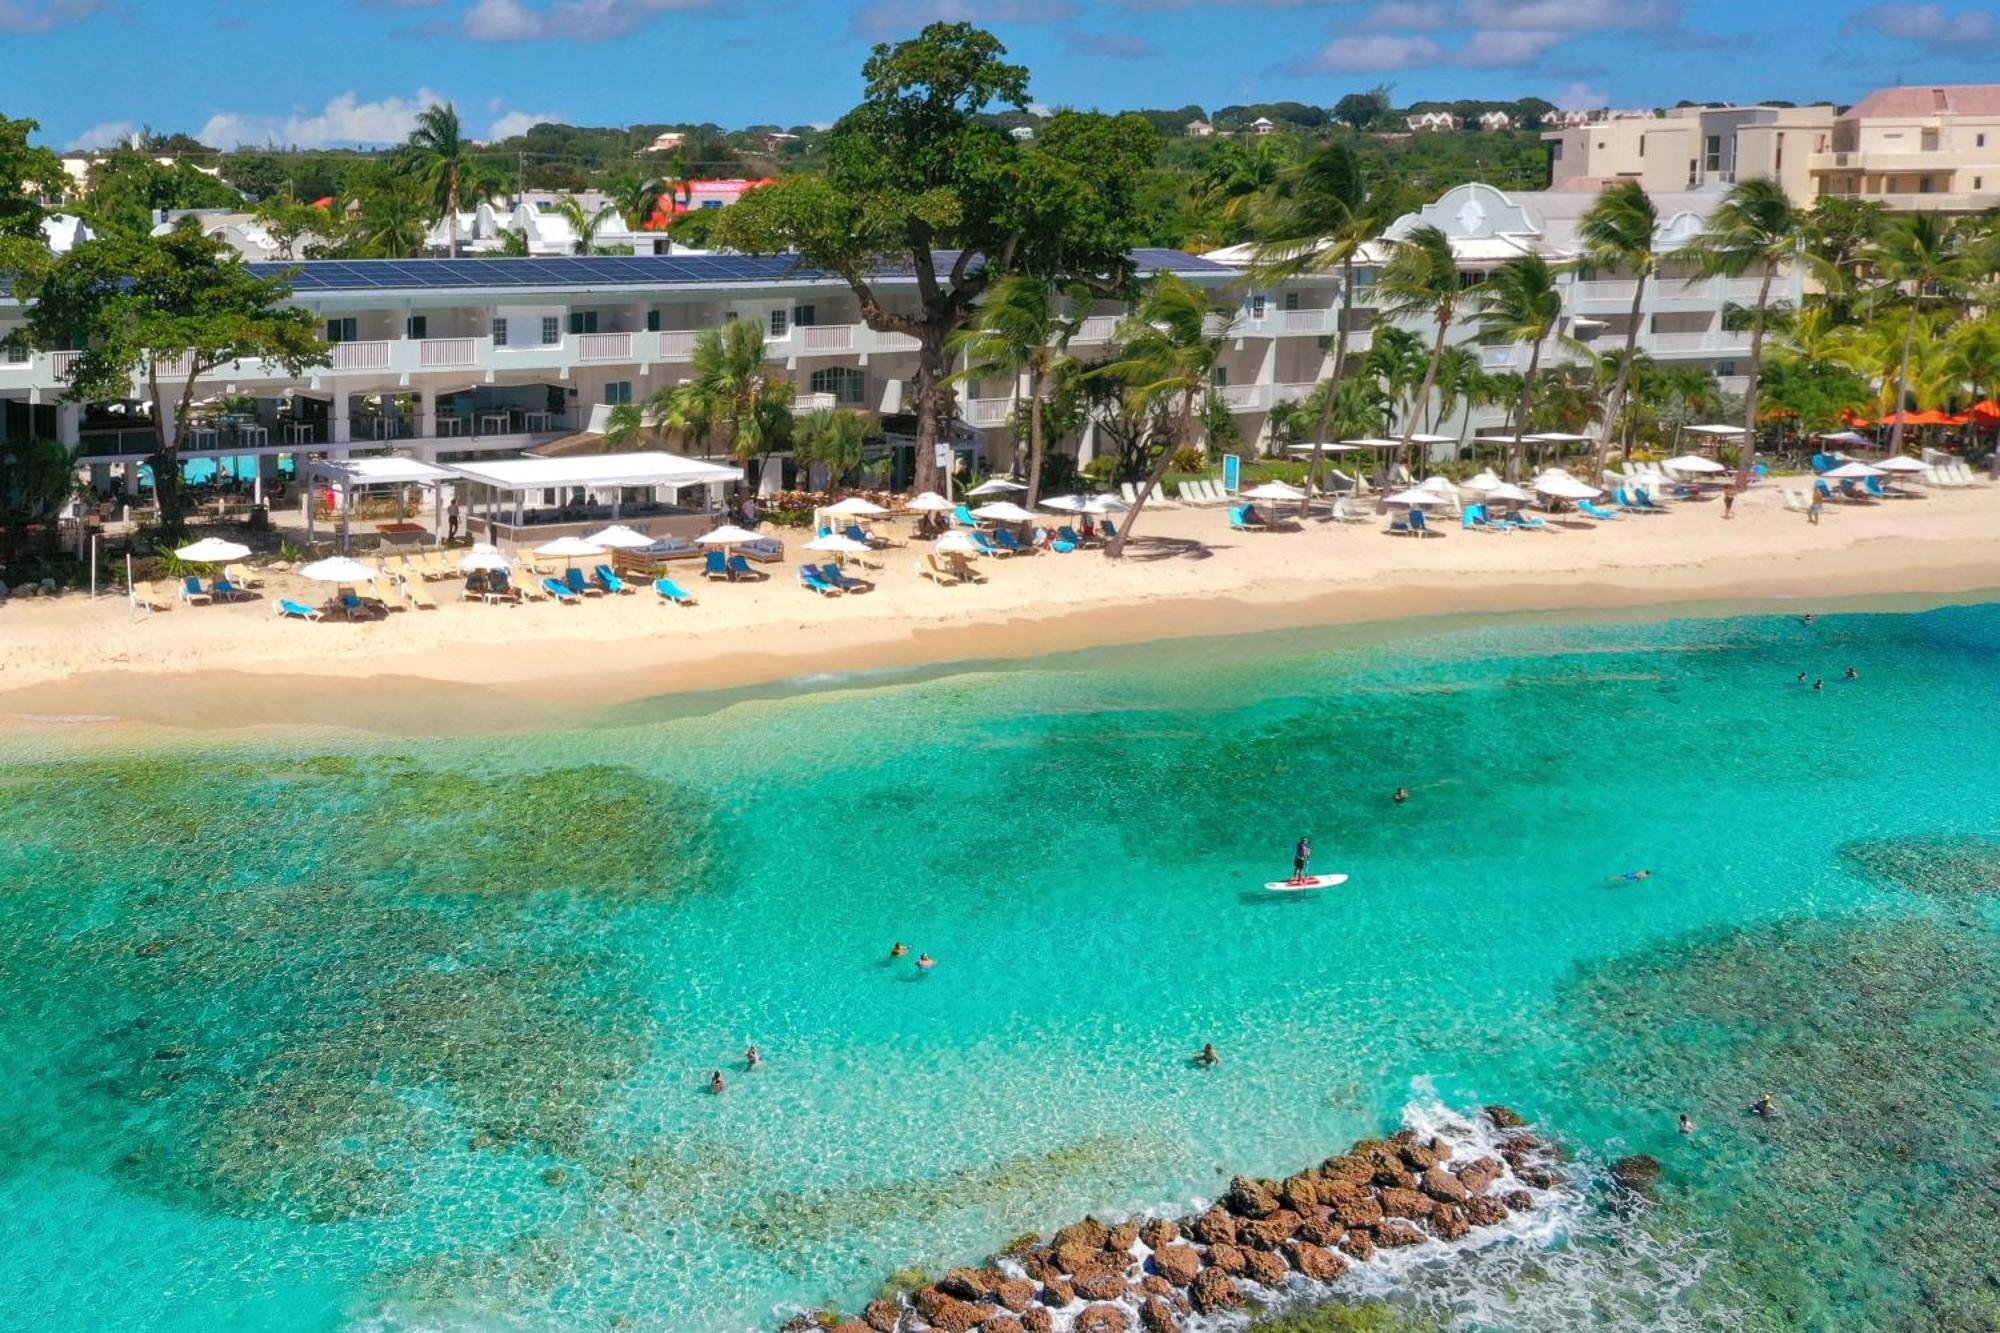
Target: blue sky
point(339, 71)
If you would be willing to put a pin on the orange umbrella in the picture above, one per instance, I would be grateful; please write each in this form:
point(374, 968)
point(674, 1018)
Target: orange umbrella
point(1986, 411)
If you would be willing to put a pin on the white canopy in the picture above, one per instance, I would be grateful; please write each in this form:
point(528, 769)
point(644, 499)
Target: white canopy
point(1694, 463)
point(837, 544)
point(477, 559)
point(1506, 492)
point(855, 507)
point(1003, 511)
point(1273, 490)
point(569, 547)
point(379, 470)
point(1375, 442)
point(1556, 437)
point(1330, 447)
point(997, 486)
point(338, 569)
point(1441, 484)
point(618, 535)
point(1565, 487)
point(1416, 496)
point(212, 551)
point(1714, 429)
point(930, 502)
point(595, 470)
point(957, 540)
point(1485, 481)
point(1900, 463)
point(1852, 472)
point(1421, 438)
point(1103, 504)
point(1845, 437)
point(727, 535)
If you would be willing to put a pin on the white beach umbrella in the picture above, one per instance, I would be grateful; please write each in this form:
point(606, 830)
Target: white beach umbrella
point(1852, 472)
point(855, 507)
point(1694, 463)
point(930, 502)
point(1565, 487)
point(837, 544)
point(1900, 463)
point(1416, 497)
point(1485, 481)
point(1557, 437)
point(1846, 437)
point(1714, 428)
point(727, 535)
point(569, 548)
point(1003, 511)
point(212, 551)
point(1330, 447)
point(619, 536)
point(1273, 490)
point(997, 486)
point(1103, 504)
point(338, 569)
point(958, 540)
point(1068, 504)
point(489, 560)
point(1508, 494)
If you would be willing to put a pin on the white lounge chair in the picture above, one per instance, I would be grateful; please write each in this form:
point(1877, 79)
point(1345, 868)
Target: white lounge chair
point(1795, 501)
point(1344, 511)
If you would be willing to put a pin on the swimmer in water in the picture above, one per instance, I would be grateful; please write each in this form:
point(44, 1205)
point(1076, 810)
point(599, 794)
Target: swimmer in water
point(1818, 686)
point(1852, 674)
point(1802, 677)
point(1629, 875)
point(751, 1059)
point(1402, 795)
point(925, 962)
point(1764, 1107)
point(1806, 619)
point(1687, 1125)
point(715, 1083)
point(1207, 1057)
point(899, 949)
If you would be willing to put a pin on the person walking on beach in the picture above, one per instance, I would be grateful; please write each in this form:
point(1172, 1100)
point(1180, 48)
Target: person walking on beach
point(1813, 509)
point(1301, 854)
point(451, 520)
point(1728, 505)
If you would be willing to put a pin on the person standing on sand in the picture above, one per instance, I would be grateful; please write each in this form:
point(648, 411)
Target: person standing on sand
point(451, 520)
point(1813, 509)
point(1728, 504)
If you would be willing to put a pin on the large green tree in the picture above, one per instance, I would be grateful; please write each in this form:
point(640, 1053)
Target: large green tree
point(1617, 233)
point(1755, 228)
point(124, 189)
point(166, 310)
point(29, 175)
point(919, 178)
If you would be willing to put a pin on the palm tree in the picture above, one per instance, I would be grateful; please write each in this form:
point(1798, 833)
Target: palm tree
point(1018, 332)
point(1755, 226)
point(1317, 225)
point(1460, 380)
point(1421, 278)
point(635, 196)
point(1520, 301)
point(441, 157)
point(1395, 360)
point(385, 219)
point(833, 439)
point(1921, 254)
point(584, 224)
point(730, 388)
point(1617, 234)
point(1169, 347)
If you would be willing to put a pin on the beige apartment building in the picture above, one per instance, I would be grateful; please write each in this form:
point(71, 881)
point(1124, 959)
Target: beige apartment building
point(1919, 147)
point(1690, 147)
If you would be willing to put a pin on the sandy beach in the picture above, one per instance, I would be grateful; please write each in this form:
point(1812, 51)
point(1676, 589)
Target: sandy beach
point(1186, 574)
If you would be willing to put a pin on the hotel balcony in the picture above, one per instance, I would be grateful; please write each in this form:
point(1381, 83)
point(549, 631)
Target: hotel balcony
point(1311, 322)
point(1262, 397)
point(1610, 295)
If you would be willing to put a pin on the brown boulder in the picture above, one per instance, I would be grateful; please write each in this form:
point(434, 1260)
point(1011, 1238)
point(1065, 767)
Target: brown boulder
point(1215, 1227)
point(1362, 1212)
point(1102, 1318)
point(1154, 1285)
point(1394, 1177)
point(1159, 1232)
point(1228, 1258)
point(969, 1284)
point(1638, 1173)
point(1122, 1236)
point(1478, 1175)
point(1449, 1222)
point(1520, 1143)
point(1057, 1292)
point(1098, 1284)
point(882, 1315)
point(1405, 1203)
point(1270, 1232)
point(1017, 1294)
point(1539, 1177)
point(1320, 1231)
point(1375, 1152)
point(1359, 1243)
point(857, 1326)
point(1440, 1149)
point(1266, 1268)
point(1484, 1212)
point(1215, 1290)
point(1072, 1257)
point(1316, 1263)
point(1442, 1185)
point(1035, 1319)
point(1177, 1263)
point(1157, 1316)
point(1519, 1200)
point(1250, 1198)
point(1348, 1168)
point(1396, 1232)
point(1299, 1193)
point(948, 1314)
point(1039, 1263)
point(1089, 1233)
point(1334, 1193)
point(1504, 1118)
point(1001, 1323)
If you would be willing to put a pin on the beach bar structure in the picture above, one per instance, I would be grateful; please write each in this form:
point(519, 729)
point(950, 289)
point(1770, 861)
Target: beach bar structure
point(354, 475)
point(527, 501)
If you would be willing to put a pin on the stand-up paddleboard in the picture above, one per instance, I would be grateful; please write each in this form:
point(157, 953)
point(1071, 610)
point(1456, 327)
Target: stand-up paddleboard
point(1308, 882)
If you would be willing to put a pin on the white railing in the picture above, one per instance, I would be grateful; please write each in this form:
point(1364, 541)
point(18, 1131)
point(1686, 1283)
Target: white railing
point(827, 337)
point(176, 368)
point(63, 363)
point(361, 356)
point(1497, 357)
point(1096, 329)
point(988, 411)
point(1241, 397)
point(1603, 289)
point(437, 352)
point(1720, 343)
point(677, 344)
point(896, 342)
point(604, 347)
point(1291, 393)
point(1743, 289)
point(1307, 321)
point(814, 402)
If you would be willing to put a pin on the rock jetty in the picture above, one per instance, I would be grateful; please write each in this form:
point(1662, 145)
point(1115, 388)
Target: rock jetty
point(1261, 1242)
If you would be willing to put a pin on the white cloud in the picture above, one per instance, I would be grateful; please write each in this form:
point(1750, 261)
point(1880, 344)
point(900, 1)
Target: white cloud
point(1503, 50)
point(502, 21)
point(103, 135)
point(891, 20)
point(1570, 15)
point(1412, 15)
point(344, 120)
point(572, 20)
point(520, 122)
point(1352, 55)
point(32, 16)
point(1581, 96)
point(1932, 26)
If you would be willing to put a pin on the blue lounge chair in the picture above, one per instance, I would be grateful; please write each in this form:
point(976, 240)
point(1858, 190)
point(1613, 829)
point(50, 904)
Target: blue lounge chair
point(1399, 525)
point(1526, 522)
point(1474, 517)
point(963, 517)
point(1874, 485)
point(574, 580)
point(714, 566)
point(193, 593)
point(986, 546)
point(227, 591)
point(610, 582)
point(739, 568)
point(1242, 518)
point(855, 533)
point(290, 610)
point(1820, 488)
point(810, 580)
point(1066, 533)
point(838, 577)
point(1592, 511)
point(351, 603)
point(1417, 524)
point(561, 591)
point(671, 592)
point(1645, 500)
point(1010, 543)
point(1110, 530)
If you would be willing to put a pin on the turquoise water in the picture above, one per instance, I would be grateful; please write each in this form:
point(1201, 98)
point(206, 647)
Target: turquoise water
point(315, 1032)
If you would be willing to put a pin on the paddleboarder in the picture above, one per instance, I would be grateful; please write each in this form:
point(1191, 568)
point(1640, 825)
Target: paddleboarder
point(1301, 854)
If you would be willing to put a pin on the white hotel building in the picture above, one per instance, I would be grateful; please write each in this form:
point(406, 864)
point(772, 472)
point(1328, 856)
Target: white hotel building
point(459, 360)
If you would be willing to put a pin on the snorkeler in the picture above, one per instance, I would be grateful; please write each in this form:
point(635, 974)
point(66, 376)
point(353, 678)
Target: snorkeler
point(1764, 1107)
point(1852, 674)
point(1629, 875)
point(1687, 1125)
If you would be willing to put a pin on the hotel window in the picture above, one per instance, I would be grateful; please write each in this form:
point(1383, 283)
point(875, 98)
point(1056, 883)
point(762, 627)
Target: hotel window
point(1221, 376)
point(1779, 164)
point(583, 321)
point(805, 317)
point(499, 332)
point(1291, 300)
point(778, 323)
point(1257, 306)
point(847, 384)
point(340, 330)
point(618, 392)
point(551, 330)
point(13, 356)
point(417, 326)
point(1978, 141)
point(1714, 152)
point(652, 321)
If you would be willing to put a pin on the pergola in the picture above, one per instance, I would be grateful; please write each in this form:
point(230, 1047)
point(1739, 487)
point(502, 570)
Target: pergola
point(502, 487)
point(351, 474)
